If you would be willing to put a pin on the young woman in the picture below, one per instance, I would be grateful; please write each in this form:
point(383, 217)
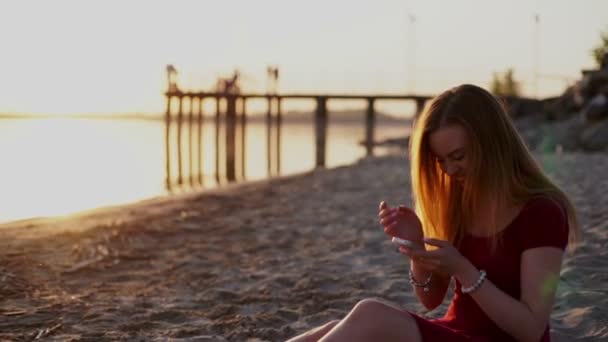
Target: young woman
point(499, 228)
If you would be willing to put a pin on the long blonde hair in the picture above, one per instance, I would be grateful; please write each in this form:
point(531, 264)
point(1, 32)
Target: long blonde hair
point(499, 166)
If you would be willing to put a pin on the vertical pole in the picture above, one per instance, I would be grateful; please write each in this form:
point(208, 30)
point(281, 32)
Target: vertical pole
point(218, 102)
point(321, 131)
point(268, 136)
point(200, 141)
point(279, 121)
point(237, 133)
point(190, 144)
point(536, 51)
point(168, 144)
point(412, 52)
point(370, 122)
point(244, 139)
point(230, 138)
point(180, 117)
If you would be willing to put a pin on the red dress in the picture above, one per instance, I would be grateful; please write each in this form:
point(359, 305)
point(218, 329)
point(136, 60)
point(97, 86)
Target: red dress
point(542, 222)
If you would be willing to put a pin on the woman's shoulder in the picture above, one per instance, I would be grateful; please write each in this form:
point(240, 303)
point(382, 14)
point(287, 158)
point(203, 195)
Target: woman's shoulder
point(544, 204)
point(543, 222)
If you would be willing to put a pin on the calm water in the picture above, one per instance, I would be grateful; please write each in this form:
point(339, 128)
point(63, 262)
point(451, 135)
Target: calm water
point(60, 166)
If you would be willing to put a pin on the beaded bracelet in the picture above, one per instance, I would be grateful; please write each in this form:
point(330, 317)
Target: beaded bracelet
point(482, 277)
point(424, 285)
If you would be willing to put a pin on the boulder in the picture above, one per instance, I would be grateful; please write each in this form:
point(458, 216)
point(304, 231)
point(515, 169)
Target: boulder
point(567, 132)
point(529, 127)
point(597, 108)
point(561, 107)
point(562, 135)
point(593, 82)
point(519, 106)
point(595, 136)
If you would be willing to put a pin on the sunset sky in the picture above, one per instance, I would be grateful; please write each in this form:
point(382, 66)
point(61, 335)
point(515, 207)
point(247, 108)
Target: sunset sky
point(109, 56)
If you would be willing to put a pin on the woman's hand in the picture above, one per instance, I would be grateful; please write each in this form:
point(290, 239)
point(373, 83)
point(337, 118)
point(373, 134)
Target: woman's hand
point(445, 259)
point(401, 222)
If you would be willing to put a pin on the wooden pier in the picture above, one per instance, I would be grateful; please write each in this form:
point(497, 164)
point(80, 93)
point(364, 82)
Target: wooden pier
point(236, 113)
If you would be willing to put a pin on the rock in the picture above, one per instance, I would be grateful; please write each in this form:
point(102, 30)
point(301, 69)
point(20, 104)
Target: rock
point(597, 108)
point(548, 136)
point(561, 107)
point(593, 82)
point(519, 106)
point(566, 133)
point(595, 137)
point(529, 127)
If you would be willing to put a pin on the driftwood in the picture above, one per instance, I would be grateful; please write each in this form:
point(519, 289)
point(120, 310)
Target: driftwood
point(14, 313)
point(48, 331)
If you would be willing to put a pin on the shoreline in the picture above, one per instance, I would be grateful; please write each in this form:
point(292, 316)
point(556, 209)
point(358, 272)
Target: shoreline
point(262, 261)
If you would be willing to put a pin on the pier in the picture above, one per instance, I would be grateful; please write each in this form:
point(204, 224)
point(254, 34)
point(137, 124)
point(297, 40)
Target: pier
point(234, 115)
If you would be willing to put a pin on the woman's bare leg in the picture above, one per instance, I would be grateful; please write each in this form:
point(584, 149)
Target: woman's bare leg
point(315, 334)
point(373, 320)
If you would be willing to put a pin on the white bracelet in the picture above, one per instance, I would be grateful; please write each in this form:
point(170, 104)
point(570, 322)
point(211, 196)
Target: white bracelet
point(482, 277)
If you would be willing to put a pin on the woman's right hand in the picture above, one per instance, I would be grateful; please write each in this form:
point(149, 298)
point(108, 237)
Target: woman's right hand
point(401, 222)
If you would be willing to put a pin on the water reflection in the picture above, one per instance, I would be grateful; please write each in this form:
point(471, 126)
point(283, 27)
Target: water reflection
point(59, 166)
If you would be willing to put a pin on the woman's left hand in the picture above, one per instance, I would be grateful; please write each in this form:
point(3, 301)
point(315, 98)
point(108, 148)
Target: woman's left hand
point(445, 259)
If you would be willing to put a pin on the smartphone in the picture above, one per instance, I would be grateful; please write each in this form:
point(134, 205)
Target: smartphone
point(403, 242)
point(406, 243)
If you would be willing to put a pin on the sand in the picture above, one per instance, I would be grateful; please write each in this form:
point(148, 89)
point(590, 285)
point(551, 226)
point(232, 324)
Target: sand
point(261, 261)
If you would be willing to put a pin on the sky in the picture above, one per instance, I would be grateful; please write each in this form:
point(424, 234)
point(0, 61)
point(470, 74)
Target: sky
point(67, 57)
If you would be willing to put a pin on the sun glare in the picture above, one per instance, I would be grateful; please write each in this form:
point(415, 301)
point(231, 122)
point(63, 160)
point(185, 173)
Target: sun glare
point(68, 57)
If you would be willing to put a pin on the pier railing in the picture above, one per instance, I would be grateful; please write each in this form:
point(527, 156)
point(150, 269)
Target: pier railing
point(236, 112)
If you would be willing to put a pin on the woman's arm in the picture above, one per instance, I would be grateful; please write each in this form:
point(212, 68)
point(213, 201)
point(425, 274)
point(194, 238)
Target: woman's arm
point(524, 319)
point(437, 288)
point(402, 222)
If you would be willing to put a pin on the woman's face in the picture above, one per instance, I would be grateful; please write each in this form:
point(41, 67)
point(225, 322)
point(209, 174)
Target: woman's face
point(449, 147)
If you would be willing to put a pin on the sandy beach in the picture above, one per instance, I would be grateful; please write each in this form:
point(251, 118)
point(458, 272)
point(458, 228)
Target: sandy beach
point(260, 261)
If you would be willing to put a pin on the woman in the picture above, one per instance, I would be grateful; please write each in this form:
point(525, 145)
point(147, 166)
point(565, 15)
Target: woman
point(499, 226)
